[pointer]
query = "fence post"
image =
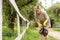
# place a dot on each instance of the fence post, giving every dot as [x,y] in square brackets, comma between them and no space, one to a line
[0,19]
[18,24]
[19,15]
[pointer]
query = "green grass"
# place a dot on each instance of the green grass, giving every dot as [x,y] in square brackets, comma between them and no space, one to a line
[8,34]
[33,34]
[55,29]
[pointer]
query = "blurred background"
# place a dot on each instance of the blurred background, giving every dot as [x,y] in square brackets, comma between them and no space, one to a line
[26,7]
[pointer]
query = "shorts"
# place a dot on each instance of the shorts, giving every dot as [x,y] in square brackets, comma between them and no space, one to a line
[43,31]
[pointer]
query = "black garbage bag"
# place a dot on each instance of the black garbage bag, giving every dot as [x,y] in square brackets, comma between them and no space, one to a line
[44,31]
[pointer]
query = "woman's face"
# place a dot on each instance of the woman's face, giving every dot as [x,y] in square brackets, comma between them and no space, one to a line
[38,10]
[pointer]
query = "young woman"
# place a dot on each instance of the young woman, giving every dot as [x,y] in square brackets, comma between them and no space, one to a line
[42,20]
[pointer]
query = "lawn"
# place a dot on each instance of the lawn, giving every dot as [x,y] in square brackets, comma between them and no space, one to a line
[55,29]
[33,34]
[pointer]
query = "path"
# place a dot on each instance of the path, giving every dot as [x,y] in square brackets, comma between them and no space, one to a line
[54,34]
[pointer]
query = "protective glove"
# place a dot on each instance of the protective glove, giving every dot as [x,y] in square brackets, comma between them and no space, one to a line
[39,24]
[45,22]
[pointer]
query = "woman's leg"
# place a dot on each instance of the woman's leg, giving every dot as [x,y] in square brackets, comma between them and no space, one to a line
[46,37]
[41,37]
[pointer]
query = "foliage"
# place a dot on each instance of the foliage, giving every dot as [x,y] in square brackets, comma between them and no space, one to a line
[8,34]
[27,9]
[33,23]
[9,14]
[8,38]
[54,13]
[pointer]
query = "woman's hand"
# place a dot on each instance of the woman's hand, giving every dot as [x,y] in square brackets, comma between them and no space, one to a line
[45,23]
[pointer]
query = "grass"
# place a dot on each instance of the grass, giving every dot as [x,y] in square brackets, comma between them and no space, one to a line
[55,29]
[8,34]
[33,34]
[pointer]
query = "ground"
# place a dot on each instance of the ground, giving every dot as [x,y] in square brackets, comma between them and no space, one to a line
[33,34]
[55,34]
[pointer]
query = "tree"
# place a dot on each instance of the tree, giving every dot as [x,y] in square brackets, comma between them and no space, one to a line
[9,14]
[54,12]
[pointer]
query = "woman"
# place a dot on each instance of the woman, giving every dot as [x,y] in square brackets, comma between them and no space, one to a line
[42,20]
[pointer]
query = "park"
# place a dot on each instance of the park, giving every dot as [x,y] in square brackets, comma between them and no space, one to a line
[18,21]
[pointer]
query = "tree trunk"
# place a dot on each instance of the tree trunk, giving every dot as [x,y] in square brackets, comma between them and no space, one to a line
[12,19]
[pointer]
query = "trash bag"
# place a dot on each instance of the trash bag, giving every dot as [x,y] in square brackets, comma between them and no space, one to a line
[44,31]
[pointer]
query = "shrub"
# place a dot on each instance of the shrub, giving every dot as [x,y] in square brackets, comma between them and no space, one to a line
[33,24]
[7,32]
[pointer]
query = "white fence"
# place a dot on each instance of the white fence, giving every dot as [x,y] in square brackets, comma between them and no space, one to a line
[20,35]
[18,23]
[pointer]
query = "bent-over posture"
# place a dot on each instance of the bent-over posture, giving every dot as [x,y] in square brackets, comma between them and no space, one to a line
[42,20]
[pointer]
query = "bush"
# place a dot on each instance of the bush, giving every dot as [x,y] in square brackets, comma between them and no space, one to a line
[33,24]
[7,32]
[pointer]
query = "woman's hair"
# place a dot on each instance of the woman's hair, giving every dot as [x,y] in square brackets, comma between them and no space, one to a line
[37,7]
